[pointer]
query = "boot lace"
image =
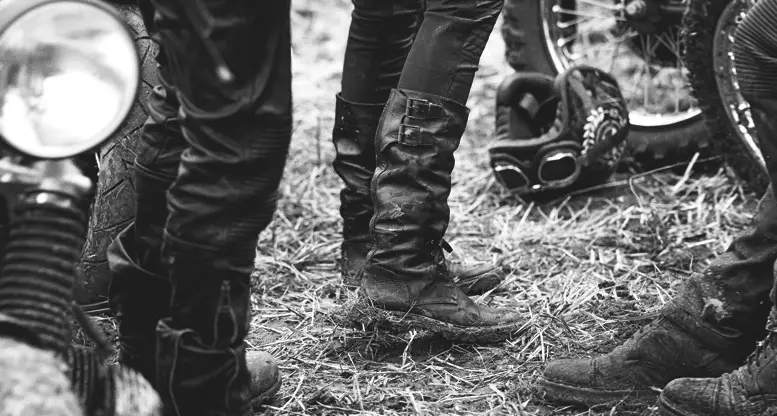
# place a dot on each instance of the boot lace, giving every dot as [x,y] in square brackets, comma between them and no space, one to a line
[762,351]
[439,255]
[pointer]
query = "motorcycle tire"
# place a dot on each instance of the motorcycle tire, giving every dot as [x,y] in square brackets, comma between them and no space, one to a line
[114,202]
[649,146]
[708,34]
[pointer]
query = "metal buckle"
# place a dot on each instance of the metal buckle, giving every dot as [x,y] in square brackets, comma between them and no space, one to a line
[410,135]
[418,108]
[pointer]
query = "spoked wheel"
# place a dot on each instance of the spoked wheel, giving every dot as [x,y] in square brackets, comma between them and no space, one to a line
[638,43]
[709,39]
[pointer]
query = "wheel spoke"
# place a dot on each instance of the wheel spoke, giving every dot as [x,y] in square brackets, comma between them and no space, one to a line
[614,7]
[561,10]
[646,55]
[589,50]
[647,66]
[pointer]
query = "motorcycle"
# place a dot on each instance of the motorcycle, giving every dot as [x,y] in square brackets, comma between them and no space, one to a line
[671,58]
[69,75]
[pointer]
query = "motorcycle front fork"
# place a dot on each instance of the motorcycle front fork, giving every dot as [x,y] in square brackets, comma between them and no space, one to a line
[44,238]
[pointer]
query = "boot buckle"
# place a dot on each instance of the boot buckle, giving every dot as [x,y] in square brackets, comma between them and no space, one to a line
[413,136]
[418,108]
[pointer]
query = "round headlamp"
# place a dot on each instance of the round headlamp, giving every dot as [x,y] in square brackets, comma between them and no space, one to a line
[69,74]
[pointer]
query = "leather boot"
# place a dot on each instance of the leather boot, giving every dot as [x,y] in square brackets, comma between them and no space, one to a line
[752,388]
[202,364]
[749,390]
[354,139]
[140,296]
[706,331]
[405,283]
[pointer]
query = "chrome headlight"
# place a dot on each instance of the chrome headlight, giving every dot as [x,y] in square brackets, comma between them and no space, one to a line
[69,74]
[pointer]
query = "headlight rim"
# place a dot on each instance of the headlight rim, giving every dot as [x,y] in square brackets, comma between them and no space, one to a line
[12,11]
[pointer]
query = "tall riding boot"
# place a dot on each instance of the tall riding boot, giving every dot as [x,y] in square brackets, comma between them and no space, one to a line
[354,140]
[202,365]
[707,330]
[405,271]
[752,388]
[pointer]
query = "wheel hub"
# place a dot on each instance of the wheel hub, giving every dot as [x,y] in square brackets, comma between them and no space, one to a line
[651,16]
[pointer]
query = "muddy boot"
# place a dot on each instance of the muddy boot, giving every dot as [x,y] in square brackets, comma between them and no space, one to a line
[405,283]
[354,140]
[749,390]
[706,330]
[202,365]
[752,388]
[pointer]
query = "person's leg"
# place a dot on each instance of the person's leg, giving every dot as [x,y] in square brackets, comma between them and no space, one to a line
[419,130]
[752,388]
[140,291]
[379,41]
[221,195]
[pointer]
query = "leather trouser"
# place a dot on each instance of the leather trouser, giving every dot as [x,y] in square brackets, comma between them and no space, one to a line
[206,179]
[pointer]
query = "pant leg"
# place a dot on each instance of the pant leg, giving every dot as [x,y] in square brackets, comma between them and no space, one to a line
[755,53]
[379,40]
[224,193]
[441,67]
[447,49]
[139,292]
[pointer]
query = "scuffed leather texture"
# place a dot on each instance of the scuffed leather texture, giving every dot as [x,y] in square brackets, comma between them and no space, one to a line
[651,358]
[198,378]
[406,269]
[440,300]
[416,138]
[749,390]
[354,140]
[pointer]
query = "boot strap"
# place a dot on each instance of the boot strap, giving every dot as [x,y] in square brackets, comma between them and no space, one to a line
[421,109]
[418,109]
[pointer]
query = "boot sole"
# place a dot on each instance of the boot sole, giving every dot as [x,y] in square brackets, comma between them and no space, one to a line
[471,286]
[267,395]
[668,409]
[569,394]
[357,314]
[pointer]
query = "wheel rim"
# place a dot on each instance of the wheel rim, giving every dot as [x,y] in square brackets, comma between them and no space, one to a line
[736,108]
[597,33]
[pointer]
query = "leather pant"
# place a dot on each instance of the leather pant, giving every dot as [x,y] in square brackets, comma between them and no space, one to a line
[206,178]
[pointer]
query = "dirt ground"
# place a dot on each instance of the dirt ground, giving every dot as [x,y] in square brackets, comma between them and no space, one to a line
[586,271]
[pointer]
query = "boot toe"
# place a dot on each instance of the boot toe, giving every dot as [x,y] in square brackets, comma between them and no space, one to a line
[690,397]
[590,382]
[571,372]
[477,280]
[265,376]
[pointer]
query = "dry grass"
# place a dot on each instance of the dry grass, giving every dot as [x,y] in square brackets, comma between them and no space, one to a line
[587,271]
